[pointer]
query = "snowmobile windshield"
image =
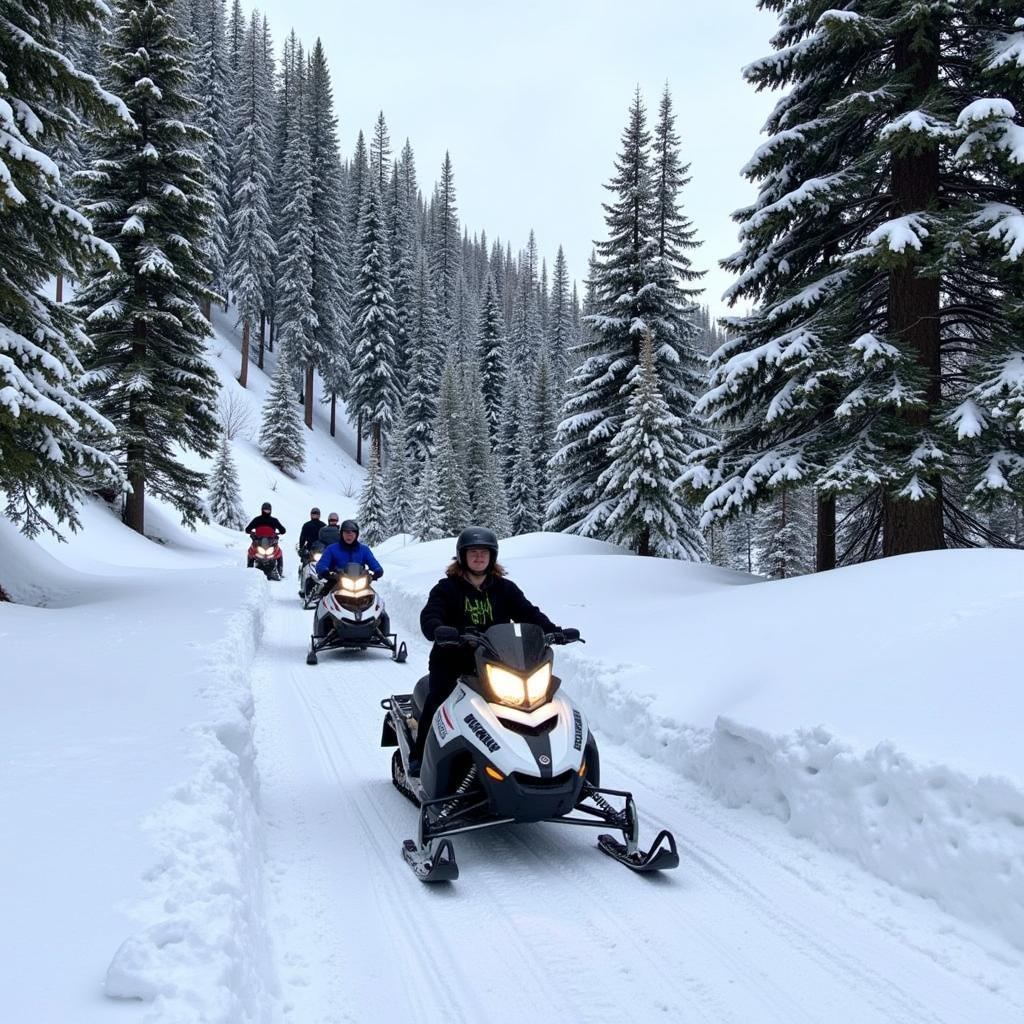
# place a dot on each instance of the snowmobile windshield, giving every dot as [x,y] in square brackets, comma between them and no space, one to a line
[514,666]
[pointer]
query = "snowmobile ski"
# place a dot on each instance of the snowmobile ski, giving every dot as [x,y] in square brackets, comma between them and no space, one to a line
[435,863]
[662,856]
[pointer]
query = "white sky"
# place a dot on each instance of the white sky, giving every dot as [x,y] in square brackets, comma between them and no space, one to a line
[531,99]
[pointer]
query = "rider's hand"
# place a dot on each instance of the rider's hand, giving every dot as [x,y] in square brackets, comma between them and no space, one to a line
[446,636]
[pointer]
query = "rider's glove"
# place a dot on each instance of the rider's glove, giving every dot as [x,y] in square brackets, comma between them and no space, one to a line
[446,636]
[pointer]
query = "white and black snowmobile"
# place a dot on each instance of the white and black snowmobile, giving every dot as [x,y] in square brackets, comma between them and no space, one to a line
[507,747]
[350,615]
[309,581]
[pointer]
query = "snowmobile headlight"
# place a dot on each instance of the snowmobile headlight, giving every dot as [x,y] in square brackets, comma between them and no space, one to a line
[353,583]
[507,687]
[537,685]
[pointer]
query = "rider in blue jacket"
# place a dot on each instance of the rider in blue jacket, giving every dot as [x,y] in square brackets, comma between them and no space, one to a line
[346,551]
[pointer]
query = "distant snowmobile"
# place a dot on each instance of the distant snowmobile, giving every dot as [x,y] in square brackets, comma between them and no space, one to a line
[309,582]
[508,747]
[351,615]
[265,552]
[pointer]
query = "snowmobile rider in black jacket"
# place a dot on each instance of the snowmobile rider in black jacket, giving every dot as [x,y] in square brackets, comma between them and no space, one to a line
[475,593]
[310,532]
[266,519]
[331,533]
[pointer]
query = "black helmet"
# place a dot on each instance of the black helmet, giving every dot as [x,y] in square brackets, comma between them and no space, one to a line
[314,511]
[476,537]
[265,507]
[350,524]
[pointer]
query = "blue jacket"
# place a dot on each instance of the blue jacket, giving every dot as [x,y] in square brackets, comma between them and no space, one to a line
[337,556]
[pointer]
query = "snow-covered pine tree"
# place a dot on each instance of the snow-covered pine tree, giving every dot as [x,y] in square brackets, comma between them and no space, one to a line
[429,510]
[223,500]
[148,196]
[380,155]
[560,333]
[236,37]
[883,261]
[282,438]
[424,378]
[446,253]
[399,494]
[402,237]
[542,412]
[374,514]
[293,303]
[253,252]
[373,396]
[50,437]
[647,457]
[327,245]
[491,344]
[523,497]
[214,87]
[452,493]
[627,298]
[785,535]
[514,423]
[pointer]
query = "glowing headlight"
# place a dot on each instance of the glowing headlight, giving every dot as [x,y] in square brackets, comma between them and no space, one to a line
[348,583]
[515,691]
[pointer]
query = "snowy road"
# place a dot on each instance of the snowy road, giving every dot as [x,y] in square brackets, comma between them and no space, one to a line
[754,926]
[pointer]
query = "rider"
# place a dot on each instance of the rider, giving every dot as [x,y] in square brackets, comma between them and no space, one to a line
[346,551]
[310,531]
[475,593]
[266,519]
[331,533]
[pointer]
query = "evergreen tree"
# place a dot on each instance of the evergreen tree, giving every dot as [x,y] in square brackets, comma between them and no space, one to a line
[446,253]
[424,378]
[373,395]
[429,510]
[380,155]
[50,437]
[373,511]
[543,417]
[452,493]
[253,251]
[491,346]
[524,499]
[223,502]
[884,267]
[399,496]
[514,423]
[560,334]
[785,536]
[281,434]
[149,198]
[647,456]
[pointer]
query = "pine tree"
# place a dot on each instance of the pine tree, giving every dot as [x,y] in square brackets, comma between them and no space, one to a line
[560,334]
[491,346]
[647,457]
[524,499]
[424,378]
[253,251]
[429,510]
[373,511]
[223,502]
[373,395]
[785,536]
[149,198]
[452,493]
[883,266]
[50,437]
[543,417]
[514,423]
[380,155]
[398,483]
[281,434]
[446,256]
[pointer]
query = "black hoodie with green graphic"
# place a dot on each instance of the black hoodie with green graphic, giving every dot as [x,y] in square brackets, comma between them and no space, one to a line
[454,601]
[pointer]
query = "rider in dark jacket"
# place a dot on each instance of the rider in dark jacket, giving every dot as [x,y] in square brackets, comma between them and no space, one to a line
[331,533]
[474,593]
[266,519]
[310,532]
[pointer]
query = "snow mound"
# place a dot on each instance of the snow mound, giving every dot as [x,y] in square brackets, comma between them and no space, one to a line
[28,575]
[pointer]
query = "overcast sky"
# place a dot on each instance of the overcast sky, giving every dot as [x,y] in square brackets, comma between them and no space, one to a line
[531,98]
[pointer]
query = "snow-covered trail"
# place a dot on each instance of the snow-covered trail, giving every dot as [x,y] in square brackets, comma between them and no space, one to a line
[754,925]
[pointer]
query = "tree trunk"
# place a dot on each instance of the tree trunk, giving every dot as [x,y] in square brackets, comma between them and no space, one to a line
[271,333]
[60,287]
[207,310]
[135,501]
[334,406]
[359,440]
[243,377]
[825,553]
[263,333]
[914,301]
[643,545]
[309,398]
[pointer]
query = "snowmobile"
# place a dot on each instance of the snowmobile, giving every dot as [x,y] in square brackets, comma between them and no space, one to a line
[265,552]
[309,582]
[350,614]
[508,747]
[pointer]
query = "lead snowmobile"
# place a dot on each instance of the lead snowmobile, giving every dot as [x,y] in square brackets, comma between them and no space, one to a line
[508,747]
[350,615]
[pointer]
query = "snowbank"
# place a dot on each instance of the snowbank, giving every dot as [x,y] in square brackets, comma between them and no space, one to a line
[872,710]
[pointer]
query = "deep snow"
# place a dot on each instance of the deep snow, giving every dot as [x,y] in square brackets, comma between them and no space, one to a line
[871,713]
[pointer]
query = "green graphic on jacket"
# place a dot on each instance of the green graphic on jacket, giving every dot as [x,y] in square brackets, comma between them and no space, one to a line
[479,611]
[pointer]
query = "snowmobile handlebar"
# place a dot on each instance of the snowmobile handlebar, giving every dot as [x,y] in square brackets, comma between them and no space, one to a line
[449,636]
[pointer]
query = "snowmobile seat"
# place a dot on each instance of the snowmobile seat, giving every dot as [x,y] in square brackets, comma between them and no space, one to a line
[419,696]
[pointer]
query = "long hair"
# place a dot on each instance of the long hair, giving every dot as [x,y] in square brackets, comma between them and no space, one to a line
[455,569]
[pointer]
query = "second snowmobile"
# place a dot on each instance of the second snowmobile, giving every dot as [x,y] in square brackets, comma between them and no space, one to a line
[350,615]
[309,581]
[508,746]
